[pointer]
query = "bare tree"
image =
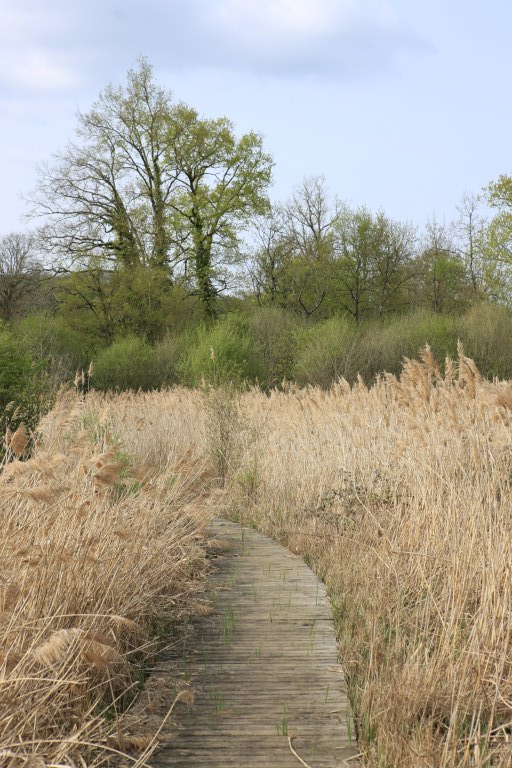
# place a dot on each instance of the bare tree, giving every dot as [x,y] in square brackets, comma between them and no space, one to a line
[309,217]
[106,196]
[441,283]
[20,274]
[469,229]
[394,253]
[269,261]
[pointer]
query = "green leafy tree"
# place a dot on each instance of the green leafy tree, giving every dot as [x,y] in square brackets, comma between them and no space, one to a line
[392,269]
[372,261]
[85,301]
[106,195]
[150,185]
[498,241]
[143,301]
[357,245]
[309,217]
[320,258]
[221,185]
[105,205]
[499,197]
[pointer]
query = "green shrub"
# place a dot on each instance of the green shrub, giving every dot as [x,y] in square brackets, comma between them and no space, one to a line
[22,383]
[15,369]
[220,353]
[385,345]
[327,351]
[167,354]
[127,363]
[338,347]
[274,333]
[51,341]
[486,333]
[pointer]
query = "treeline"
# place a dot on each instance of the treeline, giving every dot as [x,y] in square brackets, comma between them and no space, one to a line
[267,346]
[161,260]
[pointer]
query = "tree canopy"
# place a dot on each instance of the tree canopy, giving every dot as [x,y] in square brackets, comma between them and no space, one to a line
[148,183]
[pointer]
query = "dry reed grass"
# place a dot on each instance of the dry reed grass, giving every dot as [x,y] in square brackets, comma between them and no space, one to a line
[101,550]
[400,497]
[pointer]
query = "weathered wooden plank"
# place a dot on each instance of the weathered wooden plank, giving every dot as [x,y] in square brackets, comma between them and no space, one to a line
[262,667]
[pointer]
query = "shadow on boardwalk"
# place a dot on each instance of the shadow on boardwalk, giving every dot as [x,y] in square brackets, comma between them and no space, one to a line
[263,668]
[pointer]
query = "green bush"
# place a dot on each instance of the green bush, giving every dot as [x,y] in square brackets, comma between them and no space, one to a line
[22,382]
[167,354]
[338,347]
[386,345]
[328,351]
[15,369]
[486,333]
[127,363]
[274,333]
[51,341]
[224,352]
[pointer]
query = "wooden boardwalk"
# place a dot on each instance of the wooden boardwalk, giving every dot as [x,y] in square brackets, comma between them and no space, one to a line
[263,668]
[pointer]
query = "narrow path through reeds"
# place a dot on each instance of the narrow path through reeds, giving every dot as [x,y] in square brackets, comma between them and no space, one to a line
[266,689]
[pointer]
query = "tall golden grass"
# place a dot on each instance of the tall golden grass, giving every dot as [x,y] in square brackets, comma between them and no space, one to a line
[102,514]
[400,497]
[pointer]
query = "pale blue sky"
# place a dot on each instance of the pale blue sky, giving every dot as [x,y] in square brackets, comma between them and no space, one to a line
[403,105]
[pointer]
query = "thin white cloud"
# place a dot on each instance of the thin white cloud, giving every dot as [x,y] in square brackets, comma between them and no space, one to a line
[34,56]
[36,70]
[280,20]
[292,37]
[57,46]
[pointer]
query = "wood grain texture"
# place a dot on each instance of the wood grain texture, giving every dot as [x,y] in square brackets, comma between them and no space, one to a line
[263,666]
